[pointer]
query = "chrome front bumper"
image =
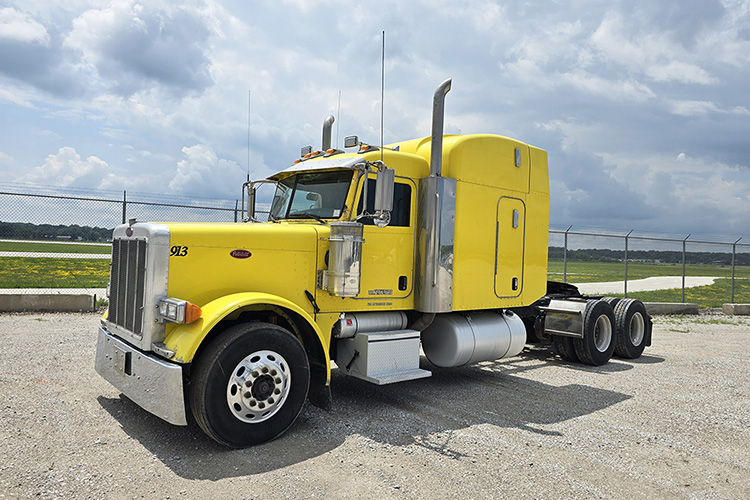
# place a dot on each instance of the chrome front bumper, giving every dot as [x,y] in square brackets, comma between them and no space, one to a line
[152,383]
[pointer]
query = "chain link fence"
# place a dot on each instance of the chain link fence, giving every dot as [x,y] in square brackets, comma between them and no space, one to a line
[60,238]
[652,267]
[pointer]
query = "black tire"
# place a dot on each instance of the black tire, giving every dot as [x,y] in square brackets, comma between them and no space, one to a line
[564,347]
[598,342]
[633,328]
[532,333]
[249,385]
[611,301]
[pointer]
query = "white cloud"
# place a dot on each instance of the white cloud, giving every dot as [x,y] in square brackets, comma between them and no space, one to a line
[627,90]
[203,173]
[16,98]
[681,72]
[21,27]
[693,108]
[131,47]
[67,168]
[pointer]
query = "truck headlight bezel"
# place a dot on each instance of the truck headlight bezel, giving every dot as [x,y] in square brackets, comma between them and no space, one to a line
[173,310]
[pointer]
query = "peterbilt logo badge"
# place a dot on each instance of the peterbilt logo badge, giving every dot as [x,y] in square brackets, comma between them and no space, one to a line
[240,254]
[129,231]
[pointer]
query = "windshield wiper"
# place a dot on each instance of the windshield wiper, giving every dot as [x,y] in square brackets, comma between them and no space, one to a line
[301,215]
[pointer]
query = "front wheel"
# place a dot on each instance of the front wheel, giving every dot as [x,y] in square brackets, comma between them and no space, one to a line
[249,385]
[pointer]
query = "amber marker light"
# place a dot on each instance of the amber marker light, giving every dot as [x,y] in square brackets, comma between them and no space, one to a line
[192,312]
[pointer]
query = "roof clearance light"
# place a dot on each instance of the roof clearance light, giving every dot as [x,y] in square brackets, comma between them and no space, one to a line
[178,311]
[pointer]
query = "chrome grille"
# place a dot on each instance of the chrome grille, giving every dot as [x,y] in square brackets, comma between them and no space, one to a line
[127,283]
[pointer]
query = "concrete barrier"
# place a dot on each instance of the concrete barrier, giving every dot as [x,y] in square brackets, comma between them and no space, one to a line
[58,302]
[736,309]
[670,308]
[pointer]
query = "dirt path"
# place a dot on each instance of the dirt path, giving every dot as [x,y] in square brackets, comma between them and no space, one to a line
[645,284]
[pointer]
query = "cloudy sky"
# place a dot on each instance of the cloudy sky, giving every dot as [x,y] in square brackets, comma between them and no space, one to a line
[642,105]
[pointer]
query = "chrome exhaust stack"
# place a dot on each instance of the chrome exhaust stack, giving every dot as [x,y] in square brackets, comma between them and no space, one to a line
[438,117]
[327,126]
[435,223]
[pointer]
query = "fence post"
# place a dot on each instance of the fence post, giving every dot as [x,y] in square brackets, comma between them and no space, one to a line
[124,205]
[235,210]
[683,267]
[626,263]
[734,252]
[565,256]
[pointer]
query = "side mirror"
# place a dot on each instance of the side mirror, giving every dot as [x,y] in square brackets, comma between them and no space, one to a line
[350,141]
[384,185]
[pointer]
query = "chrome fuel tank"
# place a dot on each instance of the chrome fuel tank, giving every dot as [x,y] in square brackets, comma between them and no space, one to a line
[460,339]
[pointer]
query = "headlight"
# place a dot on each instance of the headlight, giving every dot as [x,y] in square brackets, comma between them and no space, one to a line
[178,311]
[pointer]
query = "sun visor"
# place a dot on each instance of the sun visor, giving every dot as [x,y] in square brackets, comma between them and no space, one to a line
[351,162]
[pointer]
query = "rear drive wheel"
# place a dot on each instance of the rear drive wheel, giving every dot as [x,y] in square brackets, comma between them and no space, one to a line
[564,347]
[249,385]
[632,328]
[611,301]
[598,342]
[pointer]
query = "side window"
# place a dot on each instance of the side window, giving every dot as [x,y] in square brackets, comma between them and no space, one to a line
[401,213]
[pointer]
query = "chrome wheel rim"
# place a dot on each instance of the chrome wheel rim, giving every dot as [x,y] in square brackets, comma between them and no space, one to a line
[602,333]
[637,329]
[258,386]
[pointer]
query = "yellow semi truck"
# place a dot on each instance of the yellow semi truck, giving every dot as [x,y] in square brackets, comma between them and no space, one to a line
[366,260]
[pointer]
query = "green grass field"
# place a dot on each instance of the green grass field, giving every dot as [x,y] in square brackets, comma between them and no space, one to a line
[592,272]
[45,272]
[705,296]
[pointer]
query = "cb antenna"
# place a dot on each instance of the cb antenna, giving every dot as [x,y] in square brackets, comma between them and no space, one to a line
[248,135]
[338,120]
[382,93]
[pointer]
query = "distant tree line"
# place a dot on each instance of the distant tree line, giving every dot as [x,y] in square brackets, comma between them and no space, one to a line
[27,231]
[656,256]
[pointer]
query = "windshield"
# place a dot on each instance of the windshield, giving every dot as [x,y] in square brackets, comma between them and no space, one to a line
[316,195]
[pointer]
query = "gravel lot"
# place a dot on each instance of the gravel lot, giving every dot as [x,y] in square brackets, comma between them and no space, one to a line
[673,424]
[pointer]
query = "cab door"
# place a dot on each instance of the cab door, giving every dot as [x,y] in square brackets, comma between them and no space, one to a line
[388,253]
